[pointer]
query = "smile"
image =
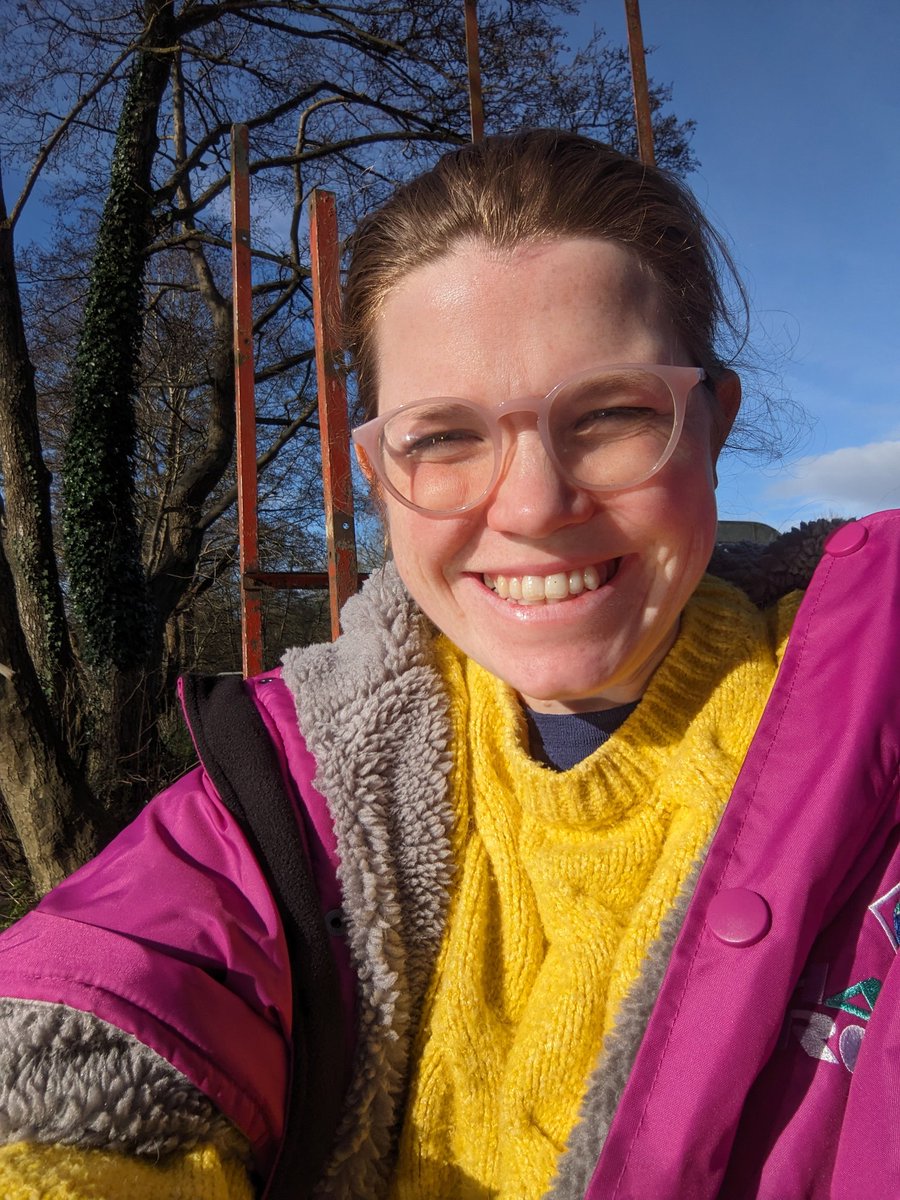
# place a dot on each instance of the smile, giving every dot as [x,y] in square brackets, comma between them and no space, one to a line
[551,589]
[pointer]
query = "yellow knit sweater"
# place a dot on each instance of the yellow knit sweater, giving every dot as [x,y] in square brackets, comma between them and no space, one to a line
[563,881]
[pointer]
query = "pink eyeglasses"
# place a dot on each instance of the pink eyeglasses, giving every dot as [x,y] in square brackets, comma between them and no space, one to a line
[605,429]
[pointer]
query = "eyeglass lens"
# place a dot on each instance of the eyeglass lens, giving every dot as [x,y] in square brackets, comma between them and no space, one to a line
[606,431]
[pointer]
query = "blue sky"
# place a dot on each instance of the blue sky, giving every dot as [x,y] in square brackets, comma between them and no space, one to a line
[797,106]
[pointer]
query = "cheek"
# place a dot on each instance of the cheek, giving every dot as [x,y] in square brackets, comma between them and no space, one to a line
[667,566]
[678,522]
[693,459]
[396,523]
[689,475]
[420,546]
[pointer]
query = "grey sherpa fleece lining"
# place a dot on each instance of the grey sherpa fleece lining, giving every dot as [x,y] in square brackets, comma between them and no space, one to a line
[68,1077]
[373,711]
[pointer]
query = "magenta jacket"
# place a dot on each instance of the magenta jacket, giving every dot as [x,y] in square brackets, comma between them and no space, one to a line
[758,1055]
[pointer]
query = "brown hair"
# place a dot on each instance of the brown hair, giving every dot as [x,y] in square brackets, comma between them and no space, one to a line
[537,185]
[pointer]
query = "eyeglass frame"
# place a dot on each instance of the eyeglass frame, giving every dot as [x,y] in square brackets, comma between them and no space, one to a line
[680,381]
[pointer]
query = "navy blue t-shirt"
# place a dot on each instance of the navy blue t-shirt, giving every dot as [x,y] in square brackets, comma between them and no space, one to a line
[561,740]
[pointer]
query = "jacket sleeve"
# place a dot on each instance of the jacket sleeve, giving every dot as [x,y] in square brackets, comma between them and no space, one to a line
[67,1077]
[148,996]
[28,1171]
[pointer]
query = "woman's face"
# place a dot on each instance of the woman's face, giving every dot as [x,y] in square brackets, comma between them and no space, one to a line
[488,326]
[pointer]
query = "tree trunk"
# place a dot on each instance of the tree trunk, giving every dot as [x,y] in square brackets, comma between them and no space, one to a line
[37,781]
[29,533]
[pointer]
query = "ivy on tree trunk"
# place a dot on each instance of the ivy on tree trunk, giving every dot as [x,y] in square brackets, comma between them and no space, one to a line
[100,531]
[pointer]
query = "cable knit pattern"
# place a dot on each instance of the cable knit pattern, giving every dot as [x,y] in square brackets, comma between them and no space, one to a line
[564,883]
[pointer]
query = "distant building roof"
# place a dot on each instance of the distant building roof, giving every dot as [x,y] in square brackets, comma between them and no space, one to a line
[745,531]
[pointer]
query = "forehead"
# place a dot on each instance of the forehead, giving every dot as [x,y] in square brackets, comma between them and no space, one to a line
[516,321]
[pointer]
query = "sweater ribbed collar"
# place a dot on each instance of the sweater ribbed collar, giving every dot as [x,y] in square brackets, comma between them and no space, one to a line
[710,689]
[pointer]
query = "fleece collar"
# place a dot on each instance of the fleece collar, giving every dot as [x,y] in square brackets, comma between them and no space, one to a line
[373,712]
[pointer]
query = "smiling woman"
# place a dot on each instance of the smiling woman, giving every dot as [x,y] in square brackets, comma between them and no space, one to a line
[588,891]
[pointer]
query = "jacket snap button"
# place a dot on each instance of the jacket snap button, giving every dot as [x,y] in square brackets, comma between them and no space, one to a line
[335,923]
[846,540]
[738,917]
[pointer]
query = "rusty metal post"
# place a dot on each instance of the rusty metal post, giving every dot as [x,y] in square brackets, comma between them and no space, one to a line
[639,83]
[476,104]
[245,403]
[333,424]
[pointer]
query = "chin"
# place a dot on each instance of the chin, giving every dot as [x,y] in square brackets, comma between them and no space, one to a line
[568,694]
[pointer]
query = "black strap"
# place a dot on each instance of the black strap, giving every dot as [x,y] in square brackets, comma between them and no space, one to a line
[238,754]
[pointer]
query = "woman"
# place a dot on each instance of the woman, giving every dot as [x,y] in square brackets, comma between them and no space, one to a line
[606,853]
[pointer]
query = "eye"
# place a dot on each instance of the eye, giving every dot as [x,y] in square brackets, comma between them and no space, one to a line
[436,433]
[620,415]
[444,444]
[612,408]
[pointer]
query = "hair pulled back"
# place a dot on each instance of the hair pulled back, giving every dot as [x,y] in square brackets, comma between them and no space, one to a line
[540,185]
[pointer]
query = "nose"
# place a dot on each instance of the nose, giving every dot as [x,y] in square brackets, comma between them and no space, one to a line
[531,498]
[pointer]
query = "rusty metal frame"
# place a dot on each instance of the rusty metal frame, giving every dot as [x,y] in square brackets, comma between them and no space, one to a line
[476,102]
[333,424]
[342,578]
[245,404]
[641,92]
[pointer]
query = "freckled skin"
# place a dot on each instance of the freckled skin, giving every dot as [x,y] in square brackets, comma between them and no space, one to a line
[487,326]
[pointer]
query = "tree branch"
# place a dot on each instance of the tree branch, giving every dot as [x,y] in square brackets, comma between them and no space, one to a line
[47,149]
[230,496]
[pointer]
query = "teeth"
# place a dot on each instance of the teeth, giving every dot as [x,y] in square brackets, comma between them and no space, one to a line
[540,589]
[532,589]
[557,587]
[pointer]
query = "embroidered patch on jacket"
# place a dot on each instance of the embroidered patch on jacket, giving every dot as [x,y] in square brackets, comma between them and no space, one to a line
[817,1032]
[832,1039]
[858,1000]
[886,911]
